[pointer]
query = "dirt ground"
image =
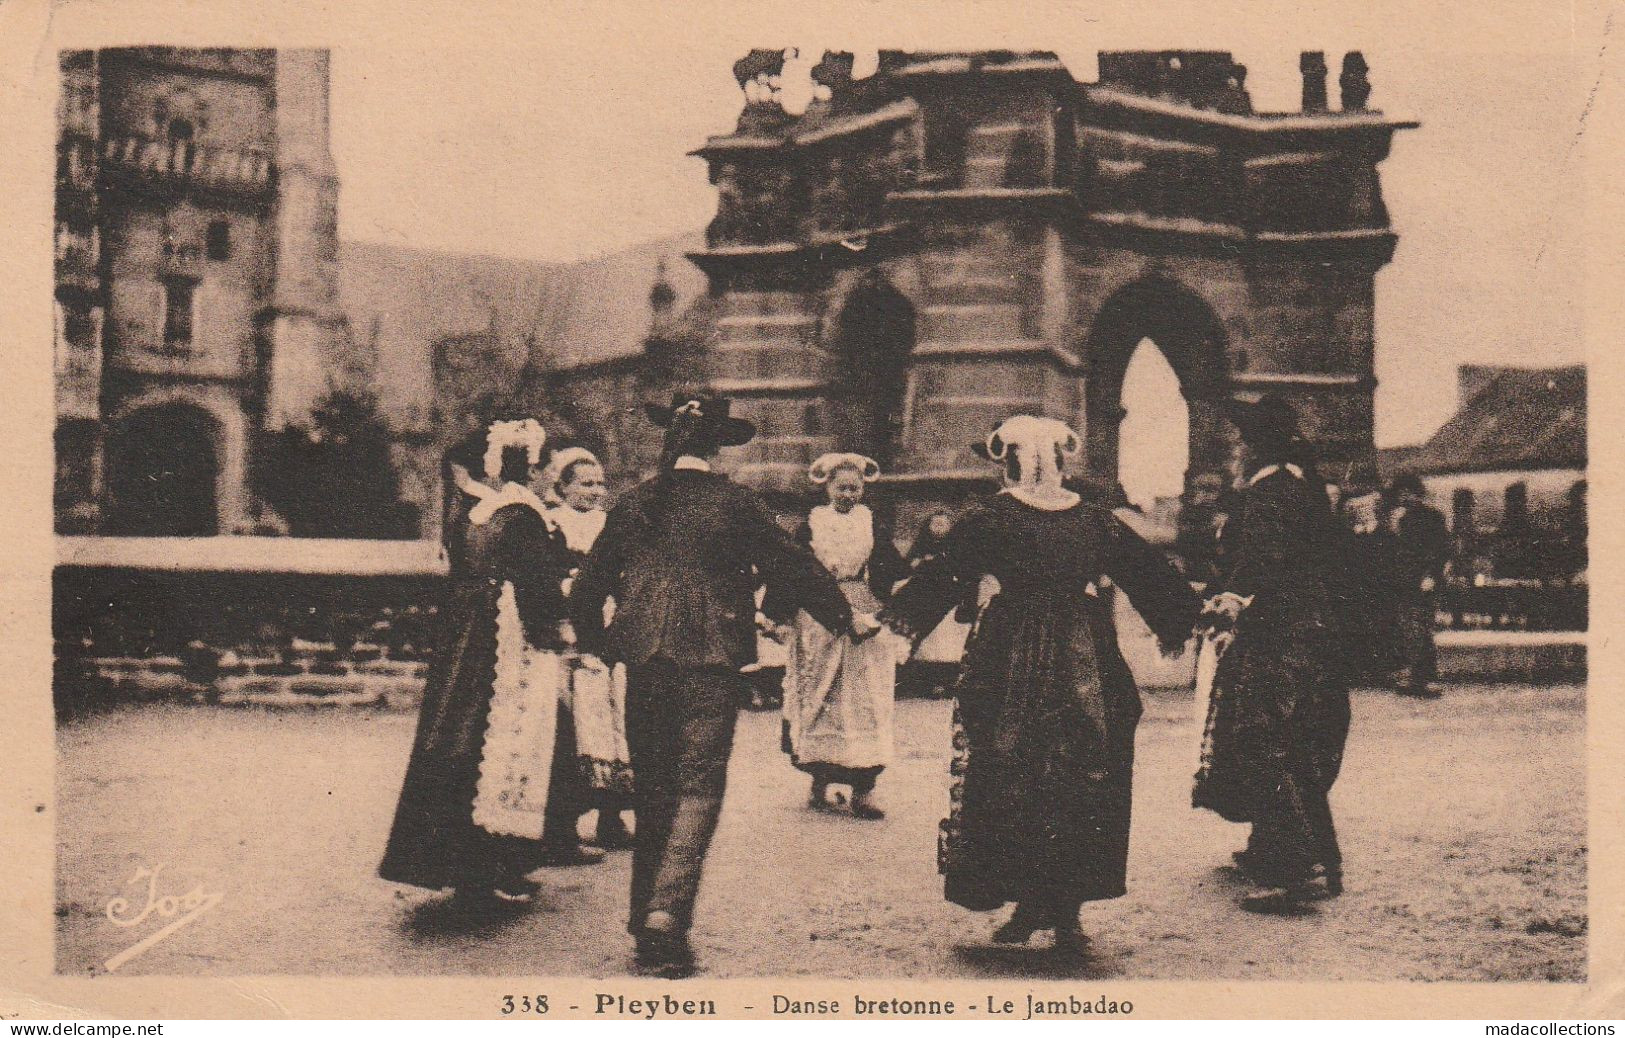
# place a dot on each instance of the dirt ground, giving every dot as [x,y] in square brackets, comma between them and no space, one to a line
[1463,824]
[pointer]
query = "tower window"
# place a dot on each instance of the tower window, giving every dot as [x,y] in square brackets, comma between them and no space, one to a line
[180,129]
[219,240]
[179,296]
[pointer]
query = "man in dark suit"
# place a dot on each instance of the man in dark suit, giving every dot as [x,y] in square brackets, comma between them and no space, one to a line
[1421,540]
[1280,715]
[683,554]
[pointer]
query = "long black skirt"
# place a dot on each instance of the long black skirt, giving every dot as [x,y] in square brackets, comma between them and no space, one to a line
[433,841]
[1276,729]
[1043,761]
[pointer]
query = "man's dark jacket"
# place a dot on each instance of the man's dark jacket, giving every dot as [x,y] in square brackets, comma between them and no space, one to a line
[683,555]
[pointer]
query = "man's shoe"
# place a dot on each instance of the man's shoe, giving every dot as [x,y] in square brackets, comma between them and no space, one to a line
[1281,900]
[574,854]
[516,888]
[663,949]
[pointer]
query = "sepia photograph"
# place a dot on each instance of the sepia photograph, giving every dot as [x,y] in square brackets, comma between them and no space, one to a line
[695,496]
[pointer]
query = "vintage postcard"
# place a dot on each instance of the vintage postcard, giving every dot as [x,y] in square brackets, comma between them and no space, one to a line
[824,511]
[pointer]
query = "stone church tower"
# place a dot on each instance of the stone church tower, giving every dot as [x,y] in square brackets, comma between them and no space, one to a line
[197,245]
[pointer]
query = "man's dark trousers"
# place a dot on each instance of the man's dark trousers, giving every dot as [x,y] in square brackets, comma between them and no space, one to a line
[680,730]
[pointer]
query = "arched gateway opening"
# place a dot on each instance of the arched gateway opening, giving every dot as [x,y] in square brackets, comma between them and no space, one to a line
[1154,450]
[874,337]
[1128,423]
[162,471]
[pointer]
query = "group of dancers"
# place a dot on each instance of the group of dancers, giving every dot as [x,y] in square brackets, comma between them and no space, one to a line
[592,660]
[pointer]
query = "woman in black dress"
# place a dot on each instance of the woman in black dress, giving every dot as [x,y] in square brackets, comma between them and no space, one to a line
[1047,707]
[490,791]
[1279,714]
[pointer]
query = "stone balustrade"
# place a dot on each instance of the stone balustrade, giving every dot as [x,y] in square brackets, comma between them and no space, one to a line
[189,161]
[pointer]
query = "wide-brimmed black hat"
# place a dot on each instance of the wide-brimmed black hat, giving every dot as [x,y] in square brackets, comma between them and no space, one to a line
[1269,424]
[716,425]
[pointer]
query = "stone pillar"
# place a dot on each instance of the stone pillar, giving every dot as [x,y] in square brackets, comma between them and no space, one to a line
[1103,416]
[305,323]
[1354,87]
[1312,64]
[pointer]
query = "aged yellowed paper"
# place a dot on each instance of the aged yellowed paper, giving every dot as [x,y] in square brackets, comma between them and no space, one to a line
[1092,503]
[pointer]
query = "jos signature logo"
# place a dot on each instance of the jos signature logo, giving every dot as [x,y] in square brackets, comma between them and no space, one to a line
[178,910]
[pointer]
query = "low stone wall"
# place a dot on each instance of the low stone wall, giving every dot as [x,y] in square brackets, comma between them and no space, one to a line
[261,621]
[286,622]
[1533,657]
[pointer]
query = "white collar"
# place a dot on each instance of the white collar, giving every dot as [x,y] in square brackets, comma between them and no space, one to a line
[1051,502]
[581,529]
[1269,470]
[690,463]
[510,494]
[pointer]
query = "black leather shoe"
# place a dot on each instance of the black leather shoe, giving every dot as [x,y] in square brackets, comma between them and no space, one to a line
[663,949]
[516,889]
[864,806]
[1016,931]
[1023,923]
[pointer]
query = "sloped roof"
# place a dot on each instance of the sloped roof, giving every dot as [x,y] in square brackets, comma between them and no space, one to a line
[401,301]
[1519,418]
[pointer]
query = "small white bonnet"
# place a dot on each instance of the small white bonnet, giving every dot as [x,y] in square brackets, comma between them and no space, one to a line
[822,469]
[1025,432]
[1035,442]
[525,432]
[563,459]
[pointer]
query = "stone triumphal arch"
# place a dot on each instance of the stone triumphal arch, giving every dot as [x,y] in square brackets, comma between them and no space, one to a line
[962,235]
